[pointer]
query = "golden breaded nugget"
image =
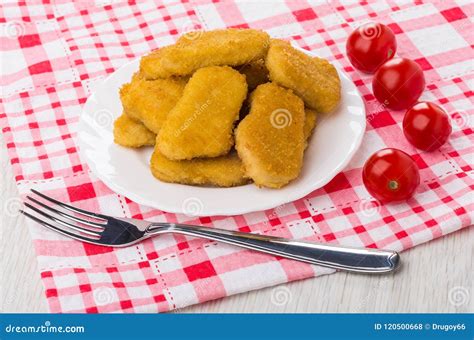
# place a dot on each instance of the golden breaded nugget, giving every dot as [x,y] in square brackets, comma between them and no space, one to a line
[311,117]
[315,80]
[132,134]
[223,171]
[270,139]
[255,72]
[214,48]
[309,122]
[201,123]
[150,101]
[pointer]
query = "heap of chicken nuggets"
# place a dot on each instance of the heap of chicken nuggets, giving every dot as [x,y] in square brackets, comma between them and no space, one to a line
[226,108]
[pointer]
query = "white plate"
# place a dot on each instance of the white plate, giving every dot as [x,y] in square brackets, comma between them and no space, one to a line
[126,171]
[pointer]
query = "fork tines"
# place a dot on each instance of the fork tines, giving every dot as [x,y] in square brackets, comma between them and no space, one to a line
[63,218]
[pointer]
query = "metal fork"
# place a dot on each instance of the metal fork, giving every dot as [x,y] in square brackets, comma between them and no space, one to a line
[120,232]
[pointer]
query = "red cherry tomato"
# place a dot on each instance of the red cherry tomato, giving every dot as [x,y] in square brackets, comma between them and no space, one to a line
[398,83]
[426,126]
[370,45]
[390,175]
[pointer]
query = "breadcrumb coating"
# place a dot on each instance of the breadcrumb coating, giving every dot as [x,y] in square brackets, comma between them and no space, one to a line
[213,48]
[150,101]
[311,117]
[130,133]
[315,80]
[223,171]
[201,123]
[270,139]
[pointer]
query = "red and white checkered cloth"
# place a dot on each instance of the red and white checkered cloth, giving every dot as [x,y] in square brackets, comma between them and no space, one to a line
[53,52]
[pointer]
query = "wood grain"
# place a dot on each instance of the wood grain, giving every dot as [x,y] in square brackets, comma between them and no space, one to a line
[429,280]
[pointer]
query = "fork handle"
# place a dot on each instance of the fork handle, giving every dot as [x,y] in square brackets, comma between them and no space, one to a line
[327,255]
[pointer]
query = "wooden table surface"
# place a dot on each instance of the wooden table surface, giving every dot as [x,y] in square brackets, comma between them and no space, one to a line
[434,277]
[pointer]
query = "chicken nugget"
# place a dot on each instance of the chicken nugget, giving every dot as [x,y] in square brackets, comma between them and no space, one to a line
[150,101]
[255,72]
[214,48]
[311,117]
[223,171]
[270,139]
[130,133]
[201,123]
[315,80]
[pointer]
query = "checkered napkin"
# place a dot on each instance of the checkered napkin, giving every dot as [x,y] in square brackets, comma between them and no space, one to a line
[55,52]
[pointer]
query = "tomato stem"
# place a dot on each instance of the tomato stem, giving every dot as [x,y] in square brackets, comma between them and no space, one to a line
[393,185]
